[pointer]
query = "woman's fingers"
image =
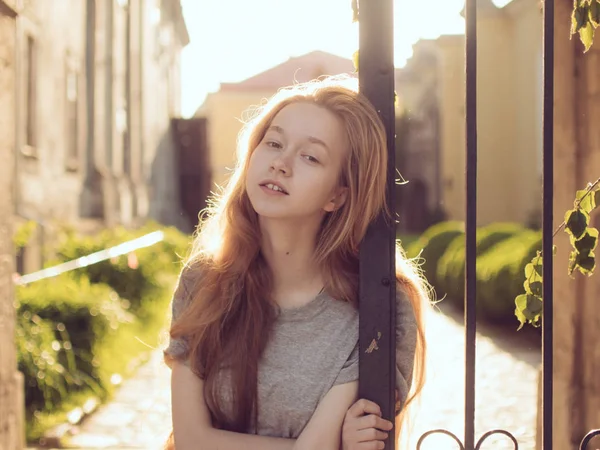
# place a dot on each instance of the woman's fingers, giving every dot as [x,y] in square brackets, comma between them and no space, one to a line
[373,421]
[370,434]
[362,407]
[364,428]
[373,445]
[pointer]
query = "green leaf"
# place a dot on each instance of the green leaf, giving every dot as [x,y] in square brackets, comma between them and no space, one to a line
[578,18]
[535,269]
[589,200]
[576,222]
[586,243]
[572,262]
[528,307]
[520,317]
[586,34]
[594,13]
[586,263]
[596,195]
[533,288]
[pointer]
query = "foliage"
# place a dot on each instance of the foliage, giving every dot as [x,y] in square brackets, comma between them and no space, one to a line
[498,274]
[133,276]
[60,320]
[451,267]
[584,20]
[23,234]
[583,238]
[432,244]
[77,337]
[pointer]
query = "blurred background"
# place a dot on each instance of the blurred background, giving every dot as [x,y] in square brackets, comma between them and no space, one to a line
[118,118]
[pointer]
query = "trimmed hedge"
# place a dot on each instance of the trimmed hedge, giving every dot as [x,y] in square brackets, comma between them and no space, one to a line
[501,273]
[450,271]
[503,251]
[432,244]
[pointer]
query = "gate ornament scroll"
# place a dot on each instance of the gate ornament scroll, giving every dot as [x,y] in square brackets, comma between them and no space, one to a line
[583,446]
[460,444]
[588,439]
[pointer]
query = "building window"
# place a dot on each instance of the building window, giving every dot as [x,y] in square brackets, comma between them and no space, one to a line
[30,103]
[72,117]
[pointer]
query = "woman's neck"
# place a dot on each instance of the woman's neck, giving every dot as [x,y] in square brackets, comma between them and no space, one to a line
[289,250]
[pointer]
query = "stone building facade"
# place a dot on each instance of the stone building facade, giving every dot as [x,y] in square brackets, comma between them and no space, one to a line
[88,89]
[10,390]
[98,82]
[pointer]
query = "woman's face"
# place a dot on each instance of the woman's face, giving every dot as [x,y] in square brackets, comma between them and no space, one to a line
[302,154]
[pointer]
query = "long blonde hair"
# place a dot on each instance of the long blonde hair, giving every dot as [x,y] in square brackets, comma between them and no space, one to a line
[231,310]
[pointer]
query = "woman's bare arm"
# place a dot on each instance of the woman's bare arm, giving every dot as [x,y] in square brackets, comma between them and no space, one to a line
[192,425]
[324,430]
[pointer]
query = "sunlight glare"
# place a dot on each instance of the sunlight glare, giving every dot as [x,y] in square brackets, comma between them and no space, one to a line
[232,40]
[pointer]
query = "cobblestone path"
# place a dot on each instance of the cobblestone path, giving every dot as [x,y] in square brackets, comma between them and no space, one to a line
[139,416]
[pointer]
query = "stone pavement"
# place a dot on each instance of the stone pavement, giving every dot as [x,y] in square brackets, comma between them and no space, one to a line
[139,416]
[505,392]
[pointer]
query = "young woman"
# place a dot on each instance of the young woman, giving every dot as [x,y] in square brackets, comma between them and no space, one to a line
[264,338]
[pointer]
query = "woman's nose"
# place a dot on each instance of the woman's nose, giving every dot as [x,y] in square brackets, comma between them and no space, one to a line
[281,164]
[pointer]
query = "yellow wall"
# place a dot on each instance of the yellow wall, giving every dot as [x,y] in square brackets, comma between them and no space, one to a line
[508,115]
[224,112]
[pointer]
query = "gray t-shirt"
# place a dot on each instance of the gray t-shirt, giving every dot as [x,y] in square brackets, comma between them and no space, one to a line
[311,349]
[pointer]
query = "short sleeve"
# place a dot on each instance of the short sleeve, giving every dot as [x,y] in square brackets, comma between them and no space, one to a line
[406,343]
[178,348]
[349,370]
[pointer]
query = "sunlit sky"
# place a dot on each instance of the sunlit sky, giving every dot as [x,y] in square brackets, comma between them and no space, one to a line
[232,40]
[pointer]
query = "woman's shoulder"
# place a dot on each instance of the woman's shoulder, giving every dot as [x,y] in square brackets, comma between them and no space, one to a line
[341,314]
[187,283]
[342,307]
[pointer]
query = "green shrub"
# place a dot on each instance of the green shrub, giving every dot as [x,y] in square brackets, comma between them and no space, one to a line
[134,276]
[81,332]
[500,274]
[61,321]
[432,244]
[450,271]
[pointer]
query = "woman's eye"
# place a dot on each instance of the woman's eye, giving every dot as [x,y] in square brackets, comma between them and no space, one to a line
[273,144]
[311,158]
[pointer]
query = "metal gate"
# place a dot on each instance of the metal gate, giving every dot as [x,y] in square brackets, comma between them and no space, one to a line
[377,315]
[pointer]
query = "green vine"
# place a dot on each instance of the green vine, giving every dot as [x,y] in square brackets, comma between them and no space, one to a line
[584,20]
[583,238]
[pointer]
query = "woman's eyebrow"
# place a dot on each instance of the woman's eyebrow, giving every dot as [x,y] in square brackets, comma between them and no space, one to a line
[277,128]
[311,139]
[318,141]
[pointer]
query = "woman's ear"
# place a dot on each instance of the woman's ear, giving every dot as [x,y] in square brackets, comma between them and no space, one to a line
[338,200]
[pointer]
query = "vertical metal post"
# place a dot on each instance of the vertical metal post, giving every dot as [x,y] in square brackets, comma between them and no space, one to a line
[471,219]
[547,225]
[377,293]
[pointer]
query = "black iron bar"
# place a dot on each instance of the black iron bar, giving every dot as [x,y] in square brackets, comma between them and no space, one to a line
[547,224]
[471,219]
[377,291]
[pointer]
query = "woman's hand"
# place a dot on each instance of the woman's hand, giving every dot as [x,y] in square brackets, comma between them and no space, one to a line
[364,428]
